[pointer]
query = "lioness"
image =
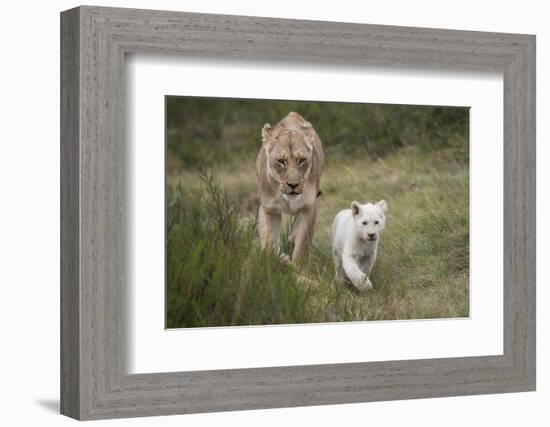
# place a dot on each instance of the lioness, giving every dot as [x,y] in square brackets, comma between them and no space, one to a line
[289,167]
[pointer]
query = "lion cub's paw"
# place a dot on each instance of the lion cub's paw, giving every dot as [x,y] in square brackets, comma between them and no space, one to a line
[366,284]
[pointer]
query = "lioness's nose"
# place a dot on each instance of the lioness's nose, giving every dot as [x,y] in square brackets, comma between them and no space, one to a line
[371,235]
[292,185]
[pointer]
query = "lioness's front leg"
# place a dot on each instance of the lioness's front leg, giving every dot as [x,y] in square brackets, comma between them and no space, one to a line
[304,234]
[270,229]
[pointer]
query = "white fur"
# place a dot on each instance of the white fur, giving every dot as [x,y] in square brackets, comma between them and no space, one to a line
[355,236]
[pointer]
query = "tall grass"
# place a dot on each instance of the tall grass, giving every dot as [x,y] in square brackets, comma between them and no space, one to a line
[217,276]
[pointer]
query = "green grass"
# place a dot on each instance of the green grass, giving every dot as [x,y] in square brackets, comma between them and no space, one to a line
[209,131]
[217,276]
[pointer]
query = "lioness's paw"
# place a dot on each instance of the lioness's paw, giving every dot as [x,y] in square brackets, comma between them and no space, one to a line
[285,259]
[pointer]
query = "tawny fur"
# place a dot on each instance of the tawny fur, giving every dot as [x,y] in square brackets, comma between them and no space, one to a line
[289,167]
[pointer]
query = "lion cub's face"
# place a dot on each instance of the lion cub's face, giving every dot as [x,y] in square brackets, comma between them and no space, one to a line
[369,219]
[289,160]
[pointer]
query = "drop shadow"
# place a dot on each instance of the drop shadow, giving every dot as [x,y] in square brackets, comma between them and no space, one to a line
[51,405]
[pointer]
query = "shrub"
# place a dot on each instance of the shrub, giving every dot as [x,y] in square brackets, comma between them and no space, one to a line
[216,274]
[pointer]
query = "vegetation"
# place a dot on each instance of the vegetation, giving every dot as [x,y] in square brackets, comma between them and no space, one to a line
[206,131]
[418,162]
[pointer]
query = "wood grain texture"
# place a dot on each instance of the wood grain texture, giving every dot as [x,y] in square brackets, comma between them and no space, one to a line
[94,381]
[70,220]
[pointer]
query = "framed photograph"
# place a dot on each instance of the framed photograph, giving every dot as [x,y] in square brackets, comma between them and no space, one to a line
[261,213]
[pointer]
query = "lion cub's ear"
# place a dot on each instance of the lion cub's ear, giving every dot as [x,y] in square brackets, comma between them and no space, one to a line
[309,133]
[355,208]
[382,205]
[266,132]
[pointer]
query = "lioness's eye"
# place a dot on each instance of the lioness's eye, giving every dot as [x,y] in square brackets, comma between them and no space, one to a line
[375,222]
[365,222]
[281,161]
[301,162]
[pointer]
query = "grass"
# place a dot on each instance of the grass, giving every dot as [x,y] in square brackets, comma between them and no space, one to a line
[208,131]
[216,275]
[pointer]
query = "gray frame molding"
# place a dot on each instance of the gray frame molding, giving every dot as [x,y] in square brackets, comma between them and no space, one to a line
[94,41]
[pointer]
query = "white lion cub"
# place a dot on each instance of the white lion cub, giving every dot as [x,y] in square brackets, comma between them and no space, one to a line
[355,234]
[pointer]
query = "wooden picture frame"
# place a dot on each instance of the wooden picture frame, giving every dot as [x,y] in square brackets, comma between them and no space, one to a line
[94,382]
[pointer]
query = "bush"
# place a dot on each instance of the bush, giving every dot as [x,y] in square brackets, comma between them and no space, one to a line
[216,275]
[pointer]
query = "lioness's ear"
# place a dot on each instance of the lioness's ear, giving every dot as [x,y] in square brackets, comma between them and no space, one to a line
[308,131]
[382,205]
[266,132]
[355,208]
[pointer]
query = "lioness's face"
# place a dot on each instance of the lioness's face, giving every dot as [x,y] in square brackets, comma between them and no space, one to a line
[289,158]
